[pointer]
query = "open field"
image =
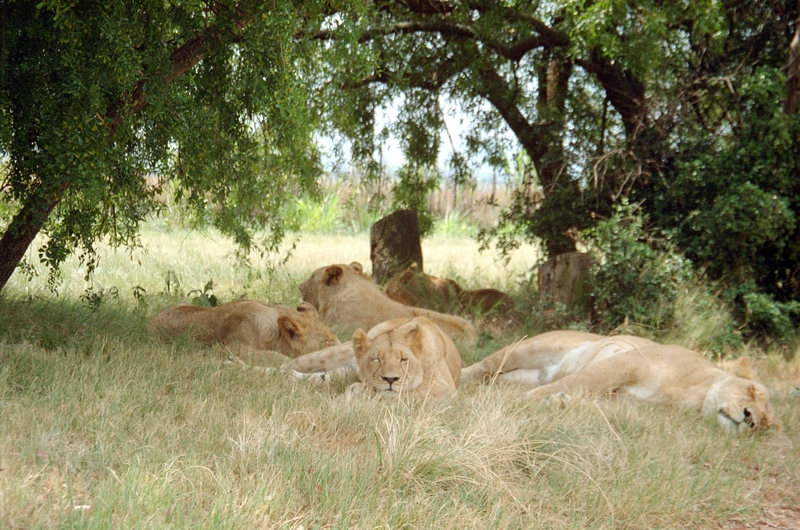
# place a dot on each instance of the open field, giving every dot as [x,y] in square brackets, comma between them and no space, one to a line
[104,427]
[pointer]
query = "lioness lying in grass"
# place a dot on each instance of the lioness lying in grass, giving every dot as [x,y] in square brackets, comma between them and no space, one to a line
[345,297]
[248,325]
[565,364]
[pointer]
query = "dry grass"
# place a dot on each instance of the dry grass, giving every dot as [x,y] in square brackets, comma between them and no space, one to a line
[102,427]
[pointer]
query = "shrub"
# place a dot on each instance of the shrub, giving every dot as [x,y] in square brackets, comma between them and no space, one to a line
[765,315]
[634,276]
[318,216]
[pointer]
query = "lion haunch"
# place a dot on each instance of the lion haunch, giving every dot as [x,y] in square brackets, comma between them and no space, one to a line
[562,364]
[345,297]
[248,324]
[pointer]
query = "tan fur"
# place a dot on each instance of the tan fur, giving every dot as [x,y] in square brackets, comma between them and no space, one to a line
[562,364]
[248,325]
[414,288]
[338,358]
[414,357]
[345,297]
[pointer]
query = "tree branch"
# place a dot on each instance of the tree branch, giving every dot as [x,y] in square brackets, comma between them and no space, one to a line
[182,59]
[495,89]
[432,77]
[793,71]
[625,92]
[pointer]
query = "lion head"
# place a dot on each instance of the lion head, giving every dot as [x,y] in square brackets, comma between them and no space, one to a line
[388,363]
[327,279]
[302,331]
[415,288]
[741,403]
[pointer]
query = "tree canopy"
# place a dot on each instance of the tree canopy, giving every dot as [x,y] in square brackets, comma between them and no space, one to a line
[688,107]
[94,96]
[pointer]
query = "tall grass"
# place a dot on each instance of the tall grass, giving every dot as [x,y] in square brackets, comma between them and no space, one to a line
[103,426]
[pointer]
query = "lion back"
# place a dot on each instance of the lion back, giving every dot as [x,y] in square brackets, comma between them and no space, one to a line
[345,297]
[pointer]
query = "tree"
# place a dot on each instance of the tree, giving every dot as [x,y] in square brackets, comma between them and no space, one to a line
[96,95]
[669,103]
[507,64]
[594,92]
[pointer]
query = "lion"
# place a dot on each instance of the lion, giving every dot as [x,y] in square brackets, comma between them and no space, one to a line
[563,364]
[345,297]
[415,288]
[248,325]
[414,357]
[337,359]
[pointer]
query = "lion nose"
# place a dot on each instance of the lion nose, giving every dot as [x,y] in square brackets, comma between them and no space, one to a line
[390,380]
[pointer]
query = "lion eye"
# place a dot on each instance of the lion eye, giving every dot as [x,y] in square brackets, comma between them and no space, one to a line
[403,360]
[746,413]
[376,360]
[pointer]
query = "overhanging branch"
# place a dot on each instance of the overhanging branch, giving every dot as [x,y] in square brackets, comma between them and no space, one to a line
[182,60]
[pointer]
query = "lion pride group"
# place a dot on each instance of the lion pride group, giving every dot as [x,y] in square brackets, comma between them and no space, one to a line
[401,349]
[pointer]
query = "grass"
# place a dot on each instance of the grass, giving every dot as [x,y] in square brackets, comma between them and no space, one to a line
[104,427]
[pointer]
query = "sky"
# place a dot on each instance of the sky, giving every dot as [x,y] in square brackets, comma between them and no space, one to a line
[456,125]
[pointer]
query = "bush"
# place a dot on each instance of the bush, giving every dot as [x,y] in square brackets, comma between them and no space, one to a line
[634,276]
[766,316]
[318,216]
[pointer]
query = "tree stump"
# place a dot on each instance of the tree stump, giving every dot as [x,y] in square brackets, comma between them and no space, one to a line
[565,279]
[394,245]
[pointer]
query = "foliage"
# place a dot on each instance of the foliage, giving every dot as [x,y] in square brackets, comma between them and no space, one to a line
[454,223]
[766,315]
[95,96]
[318,216]
[734,202]
[633,276]
[204,297]
[678,106]
[411,192]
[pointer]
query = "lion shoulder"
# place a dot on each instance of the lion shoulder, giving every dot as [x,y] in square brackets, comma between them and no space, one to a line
[416,288]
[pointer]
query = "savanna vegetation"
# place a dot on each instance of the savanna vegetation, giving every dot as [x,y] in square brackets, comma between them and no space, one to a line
[104,426]
[161,152]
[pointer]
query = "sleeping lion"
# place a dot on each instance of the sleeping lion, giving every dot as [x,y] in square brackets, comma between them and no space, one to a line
[345,297]
[415,288]
[563,364]
[413,357]
[248,325]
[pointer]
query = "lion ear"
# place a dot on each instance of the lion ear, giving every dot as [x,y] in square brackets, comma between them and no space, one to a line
[756,393]
[357,267]
[411,332]
[307,308]
[332,275]
[361,343]
[290,330]
[742,369]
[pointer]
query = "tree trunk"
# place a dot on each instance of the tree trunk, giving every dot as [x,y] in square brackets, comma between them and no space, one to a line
[793,72]
[395,245]
[564,279]
[23,230]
